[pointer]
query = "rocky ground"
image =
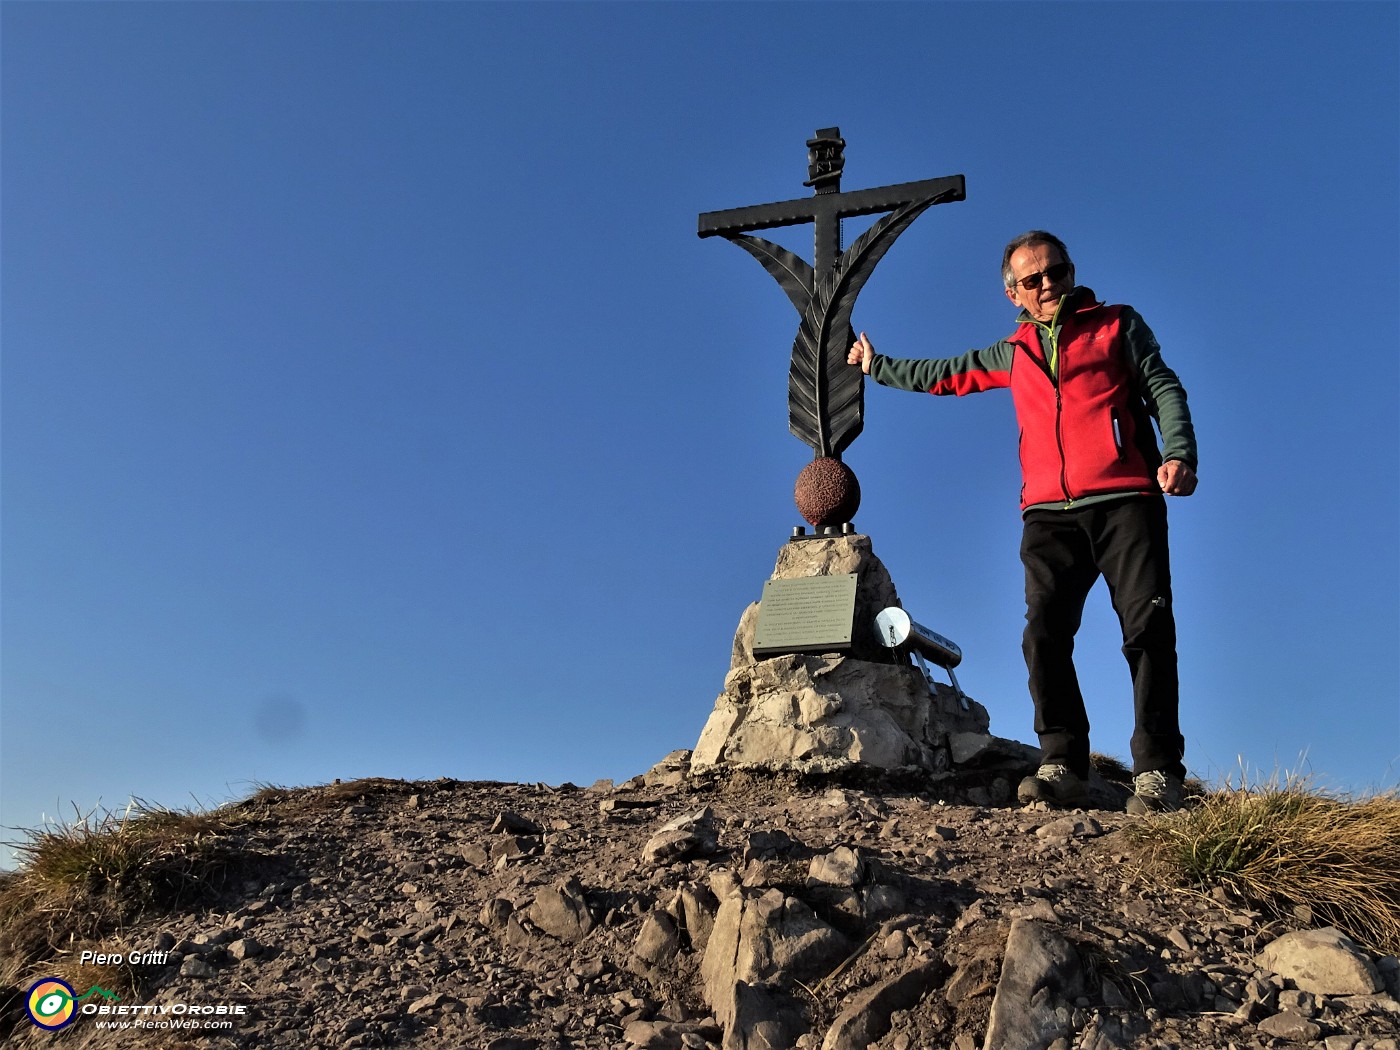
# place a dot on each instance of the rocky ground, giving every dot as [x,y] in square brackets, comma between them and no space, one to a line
[733,911]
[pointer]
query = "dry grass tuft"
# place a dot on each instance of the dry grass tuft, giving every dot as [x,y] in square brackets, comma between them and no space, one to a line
[80,882]
[1111,768]
[1289,850]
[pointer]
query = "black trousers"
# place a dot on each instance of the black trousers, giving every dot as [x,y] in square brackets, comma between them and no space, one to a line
[1064,552]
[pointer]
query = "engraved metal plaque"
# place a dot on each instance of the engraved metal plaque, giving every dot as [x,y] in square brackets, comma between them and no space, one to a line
[813,614]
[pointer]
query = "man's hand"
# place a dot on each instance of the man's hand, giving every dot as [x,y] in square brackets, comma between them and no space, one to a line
[1176,478]
[861,354]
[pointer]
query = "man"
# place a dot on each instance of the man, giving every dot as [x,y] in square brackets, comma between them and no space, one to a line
[1086,379]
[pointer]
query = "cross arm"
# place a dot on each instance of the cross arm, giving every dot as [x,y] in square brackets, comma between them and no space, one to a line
[887,198]
[757,217]
[807,209]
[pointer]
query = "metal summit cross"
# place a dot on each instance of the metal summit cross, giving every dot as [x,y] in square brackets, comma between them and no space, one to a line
[826,399]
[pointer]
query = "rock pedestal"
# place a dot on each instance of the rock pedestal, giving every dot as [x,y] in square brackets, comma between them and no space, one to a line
[832,712]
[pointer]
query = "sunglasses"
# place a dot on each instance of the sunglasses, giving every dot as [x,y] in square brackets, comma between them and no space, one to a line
[1056,274]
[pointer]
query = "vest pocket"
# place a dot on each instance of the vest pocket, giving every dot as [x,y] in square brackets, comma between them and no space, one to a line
[1117,428]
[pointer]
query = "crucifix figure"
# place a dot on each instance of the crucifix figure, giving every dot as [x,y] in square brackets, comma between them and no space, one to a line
[826,398]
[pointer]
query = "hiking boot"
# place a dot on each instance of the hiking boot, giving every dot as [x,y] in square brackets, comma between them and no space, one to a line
[1155,792]
[1055,784]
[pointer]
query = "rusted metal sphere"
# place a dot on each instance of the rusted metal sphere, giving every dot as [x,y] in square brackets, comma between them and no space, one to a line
[827,492]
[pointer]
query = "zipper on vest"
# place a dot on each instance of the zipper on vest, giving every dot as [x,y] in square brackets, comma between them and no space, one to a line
[1054,355]
[1060,442]
[1044,368]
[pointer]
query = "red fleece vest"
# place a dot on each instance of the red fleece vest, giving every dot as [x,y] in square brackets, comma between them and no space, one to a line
[1086,437]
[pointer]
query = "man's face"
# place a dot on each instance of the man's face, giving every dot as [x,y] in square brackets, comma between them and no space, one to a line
[1039,301]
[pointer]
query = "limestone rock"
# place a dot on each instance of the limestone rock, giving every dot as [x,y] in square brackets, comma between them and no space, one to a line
[818,714]
[826,713]
[694,909]
[1288,1025]
[670,772]
[561,911]
[1325,961]
[1107,1033]
[429,1003]
[843,866]
[1064,829]
[692,834]
[667,1035]
[666,847]
[657,943]
[759,1019]
[495,913]
[867,1018]
[1040,978]
[245,948]
[509,823]
[983,749]
[758,939]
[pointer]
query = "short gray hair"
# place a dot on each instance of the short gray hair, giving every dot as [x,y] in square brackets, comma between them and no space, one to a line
[1026,240]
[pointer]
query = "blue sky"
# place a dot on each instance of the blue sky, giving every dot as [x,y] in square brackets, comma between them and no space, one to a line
[371,407]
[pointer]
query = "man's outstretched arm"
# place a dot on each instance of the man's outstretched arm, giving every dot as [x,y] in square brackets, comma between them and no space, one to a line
[969,373]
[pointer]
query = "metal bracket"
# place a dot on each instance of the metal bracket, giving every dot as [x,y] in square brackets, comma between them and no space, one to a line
[799,532]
